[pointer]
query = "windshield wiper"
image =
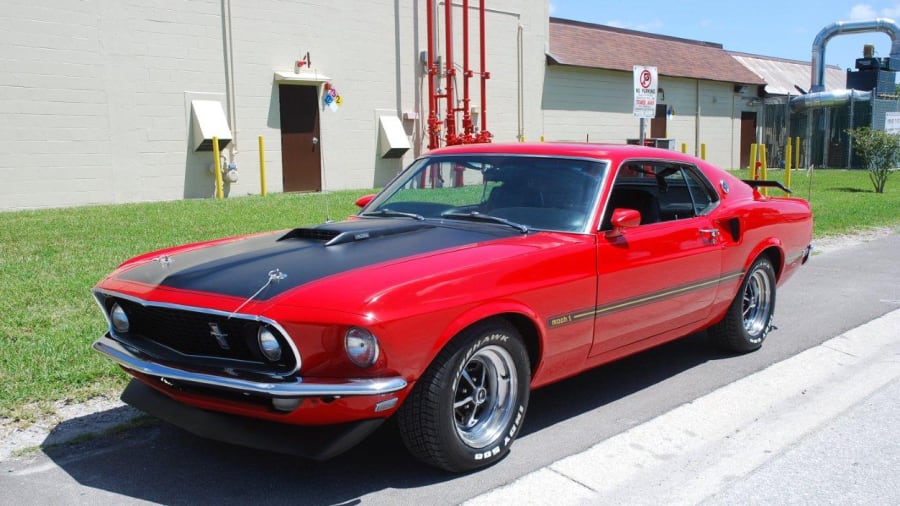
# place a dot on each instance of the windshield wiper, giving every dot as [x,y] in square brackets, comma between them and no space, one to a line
[475,215]
[390,213]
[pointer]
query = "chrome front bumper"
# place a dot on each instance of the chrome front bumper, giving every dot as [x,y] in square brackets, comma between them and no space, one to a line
[289,388]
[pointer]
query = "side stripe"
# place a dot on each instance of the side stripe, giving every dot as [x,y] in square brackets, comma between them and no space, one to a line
[582,314]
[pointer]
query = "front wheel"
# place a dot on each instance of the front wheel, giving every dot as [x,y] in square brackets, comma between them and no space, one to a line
[749,318]
[468,407]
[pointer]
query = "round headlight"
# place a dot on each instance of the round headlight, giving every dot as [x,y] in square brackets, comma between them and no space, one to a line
[269,345]
[361,346]
[119,319]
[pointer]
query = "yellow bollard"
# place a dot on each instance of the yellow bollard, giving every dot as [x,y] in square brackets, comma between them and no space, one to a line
[765,167]
[262,166]
[542,138]
[684,147]
[703,151]
[218,163]
[753,173]
[787,164]
[797,152]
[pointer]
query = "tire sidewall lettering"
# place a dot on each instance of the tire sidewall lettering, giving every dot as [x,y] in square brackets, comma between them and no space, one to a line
[508,439]
[498,449]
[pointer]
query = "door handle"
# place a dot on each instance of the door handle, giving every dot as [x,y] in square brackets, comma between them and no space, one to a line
[711,235]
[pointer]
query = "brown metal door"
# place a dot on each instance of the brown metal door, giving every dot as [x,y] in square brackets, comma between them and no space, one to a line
[748,136]
[301,159]
[658,124]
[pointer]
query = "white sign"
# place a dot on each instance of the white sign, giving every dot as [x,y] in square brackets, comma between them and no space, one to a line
[645,85]
[892,122]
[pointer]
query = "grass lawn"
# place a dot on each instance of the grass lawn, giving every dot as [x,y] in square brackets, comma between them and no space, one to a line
[843,201]
[50,259]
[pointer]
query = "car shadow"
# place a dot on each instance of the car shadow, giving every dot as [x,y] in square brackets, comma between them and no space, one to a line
[160,463]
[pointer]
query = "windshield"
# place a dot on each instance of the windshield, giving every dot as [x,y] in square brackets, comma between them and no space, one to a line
[521,191]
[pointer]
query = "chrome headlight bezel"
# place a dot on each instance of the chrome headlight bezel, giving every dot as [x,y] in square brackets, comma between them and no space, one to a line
[269,344]
[118,319]
[361,347]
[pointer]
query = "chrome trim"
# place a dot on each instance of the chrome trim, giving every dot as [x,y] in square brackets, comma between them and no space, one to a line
[215,312]
[294,387]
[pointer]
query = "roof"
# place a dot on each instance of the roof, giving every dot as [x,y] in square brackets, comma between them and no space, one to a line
[784,77]
[582,44]
[575,149]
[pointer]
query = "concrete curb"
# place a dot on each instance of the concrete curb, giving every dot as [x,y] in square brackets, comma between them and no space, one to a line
[701,448]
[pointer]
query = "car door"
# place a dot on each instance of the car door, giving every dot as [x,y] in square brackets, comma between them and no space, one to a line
[658,278]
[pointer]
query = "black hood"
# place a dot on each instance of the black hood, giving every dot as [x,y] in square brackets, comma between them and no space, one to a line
[240,268]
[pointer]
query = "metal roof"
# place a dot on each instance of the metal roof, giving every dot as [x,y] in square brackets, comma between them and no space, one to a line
[788,77]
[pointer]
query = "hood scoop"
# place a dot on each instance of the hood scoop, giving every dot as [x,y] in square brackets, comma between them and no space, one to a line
[333,234]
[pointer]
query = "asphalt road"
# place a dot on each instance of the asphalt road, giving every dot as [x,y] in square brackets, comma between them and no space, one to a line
[835,292]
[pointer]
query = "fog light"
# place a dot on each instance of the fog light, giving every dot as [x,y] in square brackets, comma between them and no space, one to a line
[269,345]
[361,346]
[119,319]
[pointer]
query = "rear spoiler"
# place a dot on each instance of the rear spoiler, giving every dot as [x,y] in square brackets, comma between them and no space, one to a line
[756,183]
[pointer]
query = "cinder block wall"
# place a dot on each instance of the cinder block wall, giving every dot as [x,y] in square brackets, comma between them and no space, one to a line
[96,95]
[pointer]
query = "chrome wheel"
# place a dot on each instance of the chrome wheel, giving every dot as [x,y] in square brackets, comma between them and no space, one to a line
[747,321]
[467,408]
[756,304]
[485,397]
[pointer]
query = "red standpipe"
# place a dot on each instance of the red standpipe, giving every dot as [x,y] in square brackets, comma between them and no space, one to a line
[433,121]
[484,135]
[450,72]
[468,127]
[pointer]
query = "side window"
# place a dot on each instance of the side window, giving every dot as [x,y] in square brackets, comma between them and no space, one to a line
[703,196]
[684,194]
[660,191]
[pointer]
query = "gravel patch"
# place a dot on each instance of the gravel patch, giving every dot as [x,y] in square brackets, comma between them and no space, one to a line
[839,242]
[68,423]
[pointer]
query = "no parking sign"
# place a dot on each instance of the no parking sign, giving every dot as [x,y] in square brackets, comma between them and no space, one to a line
[645,85]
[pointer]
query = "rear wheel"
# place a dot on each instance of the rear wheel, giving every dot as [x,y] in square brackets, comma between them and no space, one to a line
[468,407]
[749,318]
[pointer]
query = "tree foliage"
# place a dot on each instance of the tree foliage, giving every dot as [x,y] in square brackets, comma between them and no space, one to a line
[880,152]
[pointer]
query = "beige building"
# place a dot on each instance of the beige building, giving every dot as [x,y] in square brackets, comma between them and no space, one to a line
[114,102]
[705,97]
[99,99]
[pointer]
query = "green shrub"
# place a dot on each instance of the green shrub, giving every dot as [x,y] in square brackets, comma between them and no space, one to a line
[880,152]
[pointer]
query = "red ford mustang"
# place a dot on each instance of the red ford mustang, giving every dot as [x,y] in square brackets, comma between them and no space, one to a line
[479,273]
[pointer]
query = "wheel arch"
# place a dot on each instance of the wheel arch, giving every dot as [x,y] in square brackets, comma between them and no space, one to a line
[522,318]
[771,249]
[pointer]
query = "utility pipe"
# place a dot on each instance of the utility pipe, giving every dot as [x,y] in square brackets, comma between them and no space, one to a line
[433,122]
[520,46]
[449,74]
[468,127]
[484,135]
[829,99]
[696,123]
[229,77]
[483,74]
[888,26]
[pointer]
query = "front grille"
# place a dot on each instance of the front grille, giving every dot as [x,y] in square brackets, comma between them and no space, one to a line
[198,334]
